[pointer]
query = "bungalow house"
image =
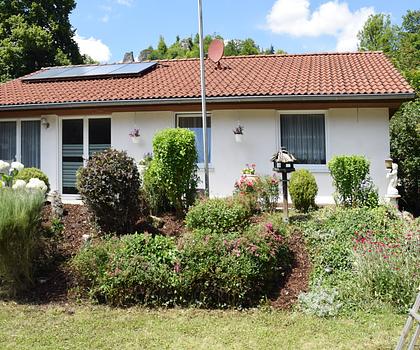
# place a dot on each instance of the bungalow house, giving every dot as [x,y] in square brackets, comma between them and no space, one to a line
[315,105]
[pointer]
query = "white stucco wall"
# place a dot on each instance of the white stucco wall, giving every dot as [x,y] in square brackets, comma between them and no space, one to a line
[348,131]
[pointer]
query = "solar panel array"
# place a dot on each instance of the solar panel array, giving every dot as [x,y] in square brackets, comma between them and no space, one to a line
[81,72]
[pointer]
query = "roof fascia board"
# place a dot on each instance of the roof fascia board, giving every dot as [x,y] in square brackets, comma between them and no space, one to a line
[191,100]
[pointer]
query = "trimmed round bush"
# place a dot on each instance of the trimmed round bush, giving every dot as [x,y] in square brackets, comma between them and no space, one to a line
[109,186]
[219,215]
[28,173]
[303,190]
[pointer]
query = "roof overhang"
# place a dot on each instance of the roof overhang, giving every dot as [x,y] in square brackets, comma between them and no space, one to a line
[196,100]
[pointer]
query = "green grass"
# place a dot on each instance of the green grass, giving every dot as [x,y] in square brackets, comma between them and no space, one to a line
[99,327]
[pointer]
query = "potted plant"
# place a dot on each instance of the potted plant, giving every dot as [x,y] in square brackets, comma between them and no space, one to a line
[249,171]
[135,135]
[239,133]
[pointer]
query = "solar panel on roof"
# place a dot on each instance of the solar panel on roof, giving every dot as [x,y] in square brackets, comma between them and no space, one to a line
[81,72]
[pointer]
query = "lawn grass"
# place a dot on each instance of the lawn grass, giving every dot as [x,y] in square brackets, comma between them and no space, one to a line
[100,327]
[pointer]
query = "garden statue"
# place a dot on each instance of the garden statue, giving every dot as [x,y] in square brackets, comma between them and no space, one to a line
[393,180]
[392,194]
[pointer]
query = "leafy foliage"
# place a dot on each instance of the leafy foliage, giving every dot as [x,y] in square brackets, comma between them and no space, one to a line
[378,34]
[405,149]
[20,217]
[28,173]
[174,167]
[220,215]
[320,301]
[35,35]
[109,186]
[210,270]
[303,190]
[352,182]
[334,235]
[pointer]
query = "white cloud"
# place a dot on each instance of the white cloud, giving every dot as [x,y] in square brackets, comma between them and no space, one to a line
[95,48]
[105,18]
[125,2]
[334,18]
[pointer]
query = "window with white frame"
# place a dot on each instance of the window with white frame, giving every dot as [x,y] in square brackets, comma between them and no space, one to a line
[303,135]
[194,122]
[21,140]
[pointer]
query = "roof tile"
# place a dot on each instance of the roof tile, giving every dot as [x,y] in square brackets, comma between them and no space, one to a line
[262,75]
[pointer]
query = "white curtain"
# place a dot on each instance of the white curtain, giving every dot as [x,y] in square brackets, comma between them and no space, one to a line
[304,137]
[195,124]
[31,143]
[8,141]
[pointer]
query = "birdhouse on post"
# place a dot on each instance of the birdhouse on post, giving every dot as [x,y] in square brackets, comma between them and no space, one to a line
[283,162]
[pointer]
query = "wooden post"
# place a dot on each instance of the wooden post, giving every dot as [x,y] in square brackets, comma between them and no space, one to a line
[285,200]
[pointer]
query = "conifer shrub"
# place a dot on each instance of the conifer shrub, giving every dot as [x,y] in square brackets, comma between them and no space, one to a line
[303,190]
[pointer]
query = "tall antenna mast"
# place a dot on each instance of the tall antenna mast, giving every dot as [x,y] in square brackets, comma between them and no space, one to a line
[203,99]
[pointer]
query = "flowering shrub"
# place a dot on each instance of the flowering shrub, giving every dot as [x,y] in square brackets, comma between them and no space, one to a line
[352,249]
[205,269]
[263,190]
[137,268]
[8,172]
[249,169]
[29,173]
[388,270]
[234,269]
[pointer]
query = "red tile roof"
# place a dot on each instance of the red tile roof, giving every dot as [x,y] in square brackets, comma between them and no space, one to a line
[361,73]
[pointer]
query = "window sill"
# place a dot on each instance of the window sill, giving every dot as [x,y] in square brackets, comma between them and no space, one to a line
[314,168]
[201,167]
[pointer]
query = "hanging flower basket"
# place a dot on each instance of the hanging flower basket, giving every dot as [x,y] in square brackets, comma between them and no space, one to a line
[239,137]
[135,139]
[135,135]
[239,133]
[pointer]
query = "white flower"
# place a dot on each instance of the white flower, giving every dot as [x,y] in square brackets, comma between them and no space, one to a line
[2,184]
[19,184]
[37,184]
[4,166]
[17,166]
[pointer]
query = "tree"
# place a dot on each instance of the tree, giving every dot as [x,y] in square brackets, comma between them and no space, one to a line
[405,149]
[249,47]
[402,46]
[35,35]
[378,34]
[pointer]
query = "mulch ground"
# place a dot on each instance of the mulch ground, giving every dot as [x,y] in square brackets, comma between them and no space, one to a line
[53,284]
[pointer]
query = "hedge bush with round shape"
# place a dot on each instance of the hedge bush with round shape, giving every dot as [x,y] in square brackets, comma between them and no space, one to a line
[303,190]
[219,214]
[109,186]
[28,173]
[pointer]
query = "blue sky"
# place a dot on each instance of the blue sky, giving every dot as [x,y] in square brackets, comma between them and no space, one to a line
[108,28]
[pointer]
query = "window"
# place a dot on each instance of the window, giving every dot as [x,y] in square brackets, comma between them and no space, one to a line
[194,122]
[303,135]
[79,145]
[21,141]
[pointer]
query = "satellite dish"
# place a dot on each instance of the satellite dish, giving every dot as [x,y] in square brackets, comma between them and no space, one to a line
[216,50]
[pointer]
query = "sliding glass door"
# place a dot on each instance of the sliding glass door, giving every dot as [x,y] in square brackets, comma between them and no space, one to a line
[80,139]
